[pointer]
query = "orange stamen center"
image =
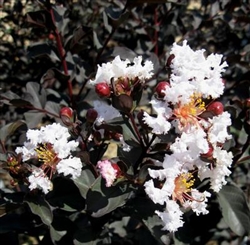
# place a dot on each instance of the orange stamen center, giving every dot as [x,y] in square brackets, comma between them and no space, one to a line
[188,113]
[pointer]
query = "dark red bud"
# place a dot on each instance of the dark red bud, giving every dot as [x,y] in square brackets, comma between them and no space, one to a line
[91,115]
[103,90]
[160,87]
[216,108]
[169,60]
[247,103]
[97,137]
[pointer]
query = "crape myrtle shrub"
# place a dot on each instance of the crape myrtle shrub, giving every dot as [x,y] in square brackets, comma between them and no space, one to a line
[86,160]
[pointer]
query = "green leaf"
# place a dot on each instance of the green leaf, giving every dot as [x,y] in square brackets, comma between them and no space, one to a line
[43,49]
[65,195]
[9,129]
[235,210]
[20,103]
[41,208]
[55,234]
[84,181]
[102,200]
[33,118]
[37,93]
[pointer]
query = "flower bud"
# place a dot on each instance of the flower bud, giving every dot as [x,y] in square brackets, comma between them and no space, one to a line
[103,90]
[209,152]
[216,108]
[160,87]
[91,115]
[123,103]
[247,103]
[67,115]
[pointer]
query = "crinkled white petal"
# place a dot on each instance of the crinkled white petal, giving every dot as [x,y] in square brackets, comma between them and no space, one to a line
[221,170]
[218,133]
[157,195]
[64,149]
[199,204]
[172,217]
[105,112]
[27,151]
[123,68]
[159,124]
[188,147]
[38,180]
[72,166]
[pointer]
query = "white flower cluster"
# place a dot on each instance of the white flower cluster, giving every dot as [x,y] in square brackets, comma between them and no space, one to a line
[194,78]
[123,68]
[51,147]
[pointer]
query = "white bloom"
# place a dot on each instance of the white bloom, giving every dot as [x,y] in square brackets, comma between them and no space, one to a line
[218,133]
[71,166]
[38,180]
[197,74]
[123,68]
[172,217]
[188,147]
[108,172]
[105,112]
[51,146]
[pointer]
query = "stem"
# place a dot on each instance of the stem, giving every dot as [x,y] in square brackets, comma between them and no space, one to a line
[157,24]
[105,44]
[61,53]
[136,129]
[34,108]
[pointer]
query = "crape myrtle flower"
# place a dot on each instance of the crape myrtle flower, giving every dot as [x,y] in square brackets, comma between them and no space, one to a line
[109,171]
[194,79]
[51,147]
[120,81]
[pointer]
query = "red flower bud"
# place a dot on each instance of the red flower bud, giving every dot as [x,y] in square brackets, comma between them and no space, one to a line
[216,108]
[103,90]
[169,60]
[117,168]
[160,87]
[91,115]
[67,115]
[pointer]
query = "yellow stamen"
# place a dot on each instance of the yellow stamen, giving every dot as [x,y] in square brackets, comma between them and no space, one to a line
[183,184]
[47,155]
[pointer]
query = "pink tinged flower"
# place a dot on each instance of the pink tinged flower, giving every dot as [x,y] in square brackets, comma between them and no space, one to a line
[108,171]
[38,180]
[171,217]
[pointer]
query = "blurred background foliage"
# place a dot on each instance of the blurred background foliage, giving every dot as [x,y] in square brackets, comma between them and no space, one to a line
[92,32]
